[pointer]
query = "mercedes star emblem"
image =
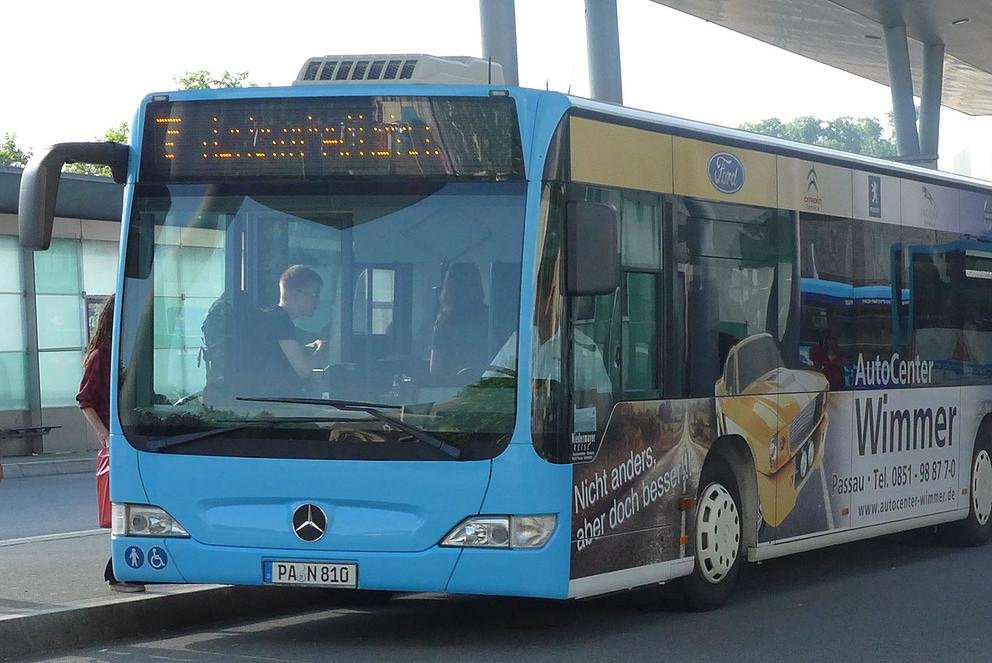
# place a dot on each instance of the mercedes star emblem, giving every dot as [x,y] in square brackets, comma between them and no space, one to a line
[309,522]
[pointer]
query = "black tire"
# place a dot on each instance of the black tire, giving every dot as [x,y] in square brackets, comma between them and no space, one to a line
[711,584]
[976,529]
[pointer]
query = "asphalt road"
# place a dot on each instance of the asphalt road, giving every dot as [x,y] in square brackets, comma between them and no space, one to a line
[900,598]
[47,505]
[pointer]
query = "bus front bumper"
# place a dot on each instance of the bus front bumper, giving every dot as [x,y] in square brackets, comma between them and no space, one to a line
[535,573]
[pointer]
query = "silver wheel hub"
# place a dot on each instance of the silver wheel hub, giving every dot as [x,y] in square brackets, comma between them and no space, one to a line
[718,533]
[981,487]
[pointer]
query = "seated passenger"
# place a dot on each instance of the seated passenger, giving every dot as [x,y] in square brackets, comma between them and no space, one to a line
[282,363]
[589,367]
[460,331]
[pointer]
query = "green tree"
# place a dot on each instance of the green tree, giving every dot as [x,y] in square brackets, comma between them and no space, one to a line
[11,154]
[118,134]
[861,135]
[202,79]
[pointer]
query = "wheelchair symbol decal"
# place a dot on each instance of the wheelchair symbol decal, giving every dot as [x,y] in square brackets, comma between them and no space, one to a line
[157,558]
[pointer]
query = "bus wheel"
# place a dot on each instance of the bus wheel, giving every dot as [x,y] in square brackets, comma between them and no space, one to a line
[976,529]
[718,539]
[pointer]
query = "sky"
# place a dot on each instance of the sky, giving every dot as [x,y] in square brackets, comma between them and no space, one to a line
[74,77]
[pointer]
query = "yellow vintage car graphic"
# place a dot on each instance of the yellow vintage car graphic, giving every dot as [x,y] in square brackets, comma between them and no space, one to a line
[780,412]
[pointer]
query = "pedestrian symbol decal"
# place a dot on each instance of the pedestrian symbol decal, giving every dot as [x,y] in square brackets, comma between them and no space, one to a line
[157,558]
[134,557]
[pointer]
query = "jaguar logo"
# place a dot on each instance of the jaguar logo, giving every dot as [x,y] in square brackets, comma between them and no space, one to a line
[928,213]
[309,522]
[726,172]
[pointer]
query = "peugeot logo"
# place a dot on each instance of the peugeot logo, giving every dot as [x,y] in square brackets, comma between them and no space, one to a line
[309,522]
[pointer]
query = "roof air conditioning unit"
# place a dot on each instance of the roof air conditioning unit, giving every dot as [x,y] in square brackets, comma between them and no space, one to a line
[399,69]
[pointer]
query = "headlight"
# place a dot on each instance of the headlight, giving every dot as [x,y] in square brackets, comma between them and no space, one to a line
[531,531]
[144,520]
[773,450]
[502,532]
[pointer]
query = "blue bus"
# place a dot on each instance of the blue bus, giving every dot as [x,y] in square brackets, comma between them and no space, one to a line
[379,330]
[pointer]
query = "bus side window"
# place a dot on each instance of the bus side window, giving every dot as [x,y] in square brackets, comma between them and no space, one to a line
[732,258]
[616,337]
[641,295]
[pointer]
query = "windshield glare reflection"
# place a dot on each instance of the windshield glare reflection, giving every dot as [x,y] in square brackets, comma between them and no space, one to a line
[397,301]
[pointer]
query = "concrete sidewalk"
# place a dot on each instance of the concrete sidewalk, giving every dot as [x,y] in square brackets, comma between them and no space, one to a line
[53,597]
[70,462]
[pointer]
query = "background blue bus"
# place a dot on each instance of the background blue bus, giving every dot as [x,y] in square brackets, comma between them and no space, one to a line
[860,318]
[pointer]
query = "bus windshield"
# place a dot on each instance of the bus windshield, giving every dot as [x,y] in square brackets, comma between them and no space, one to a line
[303,320]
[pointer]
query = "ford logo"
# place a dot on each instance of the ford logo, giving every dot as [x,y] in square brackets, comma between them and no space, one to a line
[726,172]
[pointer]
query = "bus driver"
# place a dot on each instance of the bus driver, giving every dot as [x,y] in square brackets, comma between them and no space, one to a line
[283,363]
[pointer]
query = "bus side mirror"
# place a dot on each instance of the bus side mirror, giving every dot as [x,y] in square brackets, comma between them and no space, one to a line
[592,260]
[40,185]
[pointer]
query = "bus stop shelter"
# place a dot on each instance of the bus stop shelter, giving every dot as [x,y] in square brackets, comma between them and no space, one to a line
[936,51]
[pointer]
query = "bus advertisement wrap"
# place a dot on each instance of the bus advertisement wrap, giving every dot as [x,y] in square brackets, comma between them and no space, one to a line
[888,455]
[651,455]
[871,457]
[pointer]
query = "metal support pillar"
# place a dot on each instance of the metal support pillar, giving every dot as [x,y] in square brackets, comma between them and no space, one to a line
[499,36]
[603,47]
[933,83]
[901,86]
[33,368]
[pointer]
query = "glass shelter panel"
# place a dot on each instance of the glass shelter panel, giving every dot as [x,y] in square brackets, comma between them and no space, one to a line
[10,265]
[13,356]
[99,262]
[13,384]
[56,271]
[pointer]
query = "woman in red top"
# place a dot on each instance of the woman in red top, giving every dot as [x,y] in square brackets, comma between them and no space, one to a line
[94,401]
[826,358]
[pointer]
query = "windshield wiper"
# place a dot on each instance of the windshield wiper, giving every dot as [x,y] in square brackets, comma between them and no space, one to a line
[359,406]
[372,409]
[160,443]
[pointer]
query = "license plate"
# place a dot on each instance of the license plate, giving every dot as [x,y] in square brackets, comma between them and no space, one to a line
[314,574]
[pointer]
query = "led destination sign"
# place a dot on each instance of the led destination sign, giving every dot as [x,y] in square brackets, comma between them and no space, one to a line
[314,138]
